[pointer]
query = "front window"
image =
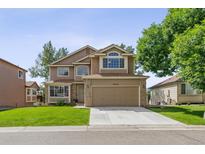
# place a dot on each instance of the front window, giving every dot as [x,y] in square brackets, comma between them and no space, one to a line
[63,71]
[58,91]
[189,90]
[183,88]
[20,75]
[113,62]
[82,70]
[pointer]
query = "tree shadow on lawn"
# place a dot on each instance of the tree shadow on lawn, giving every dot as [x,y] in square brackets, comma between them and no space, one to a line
[2,109]
[198,113]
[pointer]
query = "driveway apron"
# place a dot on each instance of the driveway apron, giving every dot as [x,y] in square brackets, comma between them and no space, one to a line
[128,116]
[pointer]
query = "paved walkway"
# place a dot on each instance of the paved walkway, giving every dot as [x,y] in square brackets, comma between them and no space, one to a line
[128,116]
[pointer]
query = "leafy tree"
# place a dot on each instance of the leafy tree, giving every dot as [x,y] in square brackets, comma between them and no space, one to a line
[178,20]
[188,54]
[46,57]
[152,51]
[129,48]
[157,48]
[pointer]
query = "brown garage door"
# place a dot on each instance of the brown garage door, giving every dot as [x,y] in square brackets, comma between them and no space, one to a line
[115,96]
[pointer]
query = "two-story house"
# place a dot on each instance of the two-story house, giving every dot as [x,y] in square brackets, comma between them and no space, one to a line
[104,77]
[14,90]
[12,84]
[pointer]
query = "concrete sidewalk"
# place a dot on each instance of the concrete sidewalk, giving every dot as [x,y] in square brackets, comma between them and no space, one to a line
[97,128]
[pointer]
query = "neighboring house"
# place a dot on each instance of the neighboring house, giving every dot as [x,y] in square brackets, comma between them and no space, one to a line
[32,89]
[12,84]
[174,90]
[94,77]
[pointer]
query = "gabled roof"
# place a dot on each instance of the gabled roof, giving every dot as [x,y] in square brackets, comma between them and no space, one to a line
[12,64]
[74,52]
[79,60]
[167,81]
[112,46]
[30,83]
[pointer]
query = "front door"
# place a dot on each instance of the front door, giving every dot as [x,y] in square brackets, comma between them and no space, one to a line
[80,93]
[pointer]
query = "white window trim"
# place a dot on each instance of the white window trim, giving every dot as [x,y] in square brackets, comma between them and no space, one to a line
[76,72]
[31,90]
[69,93]
[113,52]
[59,96]
[22,73]
[31,94]
[124,57]
[58,75]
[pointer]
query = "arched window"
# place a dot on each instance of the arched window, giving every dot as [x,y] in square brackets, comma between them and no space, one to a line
[82,70]
[113,54]
[113,61]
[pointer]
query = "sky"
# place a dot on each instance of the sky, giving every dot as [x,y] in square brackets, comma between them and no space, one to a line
[24,31]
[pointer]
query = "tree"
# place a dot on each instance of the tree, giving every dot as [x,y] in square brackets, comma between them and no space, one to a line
[155,47]
[153,53]
[178,20]
[129,48]
[188,54]
[48,55]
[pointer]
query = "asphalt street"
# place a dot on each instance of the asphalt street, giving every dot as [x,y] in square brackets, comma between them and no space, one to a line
[89,137]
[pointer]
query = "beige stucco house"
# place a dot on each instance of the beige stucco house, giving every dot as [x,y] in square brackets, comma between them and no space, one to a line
[94,77]
[174,90]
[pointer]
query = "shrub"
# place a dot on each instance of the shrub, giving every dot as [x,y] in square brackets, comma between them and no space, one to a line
[72,104]
[60,102]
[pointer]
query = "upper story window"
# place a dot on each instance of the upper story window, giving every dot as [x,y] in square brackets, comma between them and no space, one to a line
[82,70]
[20,74]
[113,60]
[63,71]
[113,54]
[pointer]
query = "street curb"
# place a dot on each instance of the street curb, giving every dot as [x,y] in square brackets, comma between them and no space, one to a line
[99,128]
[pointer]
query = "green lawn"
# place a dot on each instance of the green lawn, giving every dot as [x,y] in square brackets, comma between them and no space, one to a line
[44,116]
[191,115]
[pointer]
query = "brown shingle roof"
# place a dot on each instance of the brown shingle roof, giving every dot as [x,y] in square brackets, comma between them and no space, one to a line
[167,81]
[110,46]
[30,83]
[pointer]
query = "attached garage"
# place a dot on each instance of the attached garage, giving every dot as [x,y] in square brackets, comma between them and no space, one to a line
[115,96]
[115,91]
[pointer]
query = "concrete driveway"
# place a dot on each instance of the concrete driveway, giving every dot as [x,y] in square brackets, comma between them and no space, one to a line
[128,116]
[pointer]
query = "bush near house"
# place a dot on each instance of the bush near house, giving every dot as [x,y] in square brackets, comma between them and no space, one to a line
[44,116]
